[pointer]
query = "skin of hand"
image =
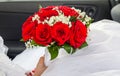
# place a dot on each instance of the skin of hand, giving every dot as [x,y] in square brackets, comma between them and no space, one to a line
[41,67]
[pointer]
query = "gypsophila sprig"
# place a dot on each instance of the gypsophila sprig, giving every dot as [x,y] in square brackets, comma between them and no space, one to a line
[56,27]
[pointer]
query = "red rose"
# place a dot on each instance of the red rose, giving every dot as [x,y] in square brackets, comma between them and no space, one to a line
[78,34]
[42,34]
[60,32]
[50,7]
[47,12]
[28,29]
[68,11]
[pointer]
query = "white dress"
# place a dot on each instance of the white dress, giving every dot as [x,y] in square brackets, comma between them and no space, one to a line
[100,58]
[7,67]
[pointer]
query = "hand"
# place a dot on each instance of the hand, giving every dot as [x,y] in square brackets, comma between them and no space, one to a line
[41,67]
[31,73]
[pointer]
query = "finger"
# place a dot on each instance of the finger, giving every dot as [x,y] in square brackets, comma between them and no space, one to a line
[42,59]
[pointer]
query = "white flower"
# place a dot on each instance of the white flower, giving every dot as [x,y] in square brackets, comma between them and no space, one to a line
[70,25]
[82,14]
[55,8]
[52,20]
[87,19]
[60,18]
[84,22]
[63,18]
[36,17]
[77,10]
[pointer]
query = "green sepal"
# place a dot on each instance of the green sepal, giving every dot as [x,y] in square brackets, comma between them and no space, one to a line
[33,43]
[83,45]
[88,23]
[72,18]
[40,6]
[53,50]
[73,50]
[68,48]
[82,19]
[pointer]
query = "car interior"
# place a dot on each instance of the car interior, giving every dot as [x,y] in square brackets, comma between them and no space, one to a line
[14,13]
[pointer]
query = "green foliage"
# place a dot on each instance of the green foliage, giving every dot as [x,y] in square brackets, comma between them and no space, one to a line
[72,18]
[53,50]
[68,48]
[83,45]
[88,23]
[34,43]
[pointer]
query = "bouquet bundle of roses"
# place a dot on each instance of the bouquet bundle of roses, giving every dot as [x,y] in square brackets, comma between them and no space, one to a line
[56,27]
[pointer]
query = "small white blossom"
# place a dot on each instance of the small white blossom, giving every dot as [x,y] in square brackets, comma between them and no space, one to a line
[84,22]
[55,8]
[70,25]
[52,42]
[73,8]
[51,20]
[36,17]
[47,18]
[64,19]
[87,18]
[28,44]
[39,22]
[82,14]
[77,10]
[43,22]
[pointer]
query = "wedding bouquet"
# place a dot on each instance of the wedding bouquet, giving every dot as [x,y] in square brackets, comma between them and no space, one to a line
[56,27]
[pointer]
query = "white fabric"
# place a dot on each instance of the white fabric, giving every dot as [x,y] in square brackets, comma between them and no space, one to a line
[3,48]
[62,53]
[100,58]
[2,73]
[7,67]
[28,59]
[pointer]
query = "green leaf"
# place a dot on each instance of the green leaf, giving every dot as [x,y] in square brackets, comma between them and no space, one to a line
[34,43]
[88,23]
[40,6]
[67,47]
[73,50]
[91,20]
[72,18]
[53,50]
[83,45]
[83,19]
